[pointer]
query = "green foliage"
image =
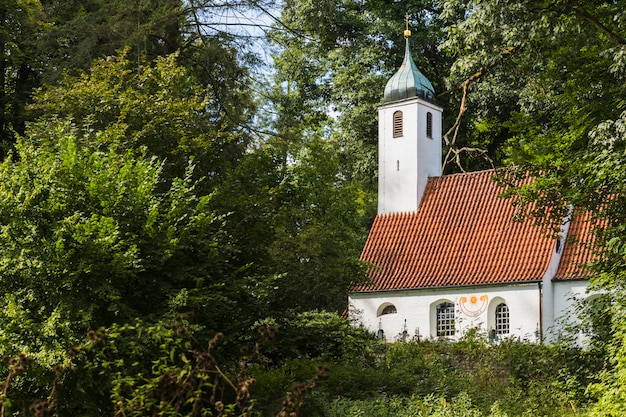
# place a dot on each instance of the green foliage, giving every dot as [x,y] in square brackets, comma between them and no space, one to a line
[89,240]
[468,379]
[510,378]
[384,406]
[147,369]
[81,32]
[157,107]
[41,42]
[556,66]
[320,336]
[296,218]
[136,369]
[165,368]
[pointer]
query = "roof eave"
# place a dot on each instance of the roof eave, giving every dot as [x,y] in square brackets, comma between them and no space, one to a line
[445,287]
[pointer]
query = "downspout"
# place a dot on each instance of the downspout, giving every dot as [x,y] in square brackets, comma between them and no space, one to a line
[540,335]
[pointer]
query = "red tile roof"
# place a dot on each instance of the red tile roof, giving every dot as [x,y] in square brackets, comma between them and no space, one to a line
[462,234]
[578,250]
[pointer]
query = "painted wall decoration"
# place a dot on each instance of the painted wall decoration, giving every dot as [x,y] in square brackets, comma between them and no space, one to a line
[473,306]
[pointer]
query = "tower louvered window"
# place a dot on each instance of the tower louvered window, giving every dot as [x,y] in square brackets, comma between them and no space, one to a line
[397,124]
[502,319]
[429,125]
[445,319]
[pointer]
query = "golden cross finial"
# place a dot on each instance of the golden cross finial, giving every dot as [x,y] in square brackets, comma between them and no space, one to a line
[407,32]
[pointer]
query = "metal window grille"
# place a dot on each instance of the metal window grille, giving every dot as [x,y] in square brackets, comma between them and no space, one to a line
[390,309]
[502,319]
[429,125]
[397,124]
[445,319]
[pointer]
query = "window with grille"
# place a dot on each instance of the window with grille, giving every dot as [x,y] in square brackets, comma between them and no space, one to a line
[397,124]
[429,125]
[445,319]
[390,309]
[502,319]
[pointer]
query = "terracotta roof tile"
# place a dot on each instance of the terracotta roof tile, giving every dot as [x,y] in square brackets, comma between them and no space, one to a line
[462,234]
[578,249]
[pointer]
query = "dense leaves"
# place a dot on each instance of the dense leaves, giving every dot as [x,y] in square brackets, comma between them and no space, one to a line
[159,107]
[42,41]
[296,219]
[19,69]
[430,378]
[81,31]
[88,240]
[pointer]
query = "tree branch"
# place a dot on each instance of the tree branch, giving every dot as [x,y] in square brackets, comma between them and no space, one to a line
[454,129]
[580,11]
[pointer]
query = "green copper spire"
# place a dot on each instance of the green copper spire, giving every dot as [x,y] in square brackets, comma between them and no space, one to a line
[408,82]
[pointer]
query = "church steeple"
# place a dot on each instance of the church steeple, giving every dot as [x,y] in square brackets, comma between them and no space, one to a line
[408,82]
[409,138]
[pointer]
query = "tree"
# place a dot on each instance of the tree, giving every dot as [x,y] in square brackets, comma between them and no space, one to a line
[158,107]
[19,67]
[80,32]
[560,66]
[89,239]
[293,217]
[41,41]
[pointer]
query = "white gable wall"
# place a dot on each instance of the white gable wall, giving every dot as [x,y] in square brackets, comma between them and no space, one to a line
[417,307]
[560,297]
[549,309]
[566,294]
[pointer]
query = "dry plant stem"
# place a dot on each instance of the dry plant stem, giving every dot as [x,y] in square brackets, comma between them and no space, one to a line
[219,371]
[5,390]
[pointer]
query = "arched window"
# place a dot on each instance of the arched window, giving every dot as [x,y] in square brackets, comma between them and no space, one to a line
[388,309]
[397,124]
[445,319]
[429,125]
[502,319]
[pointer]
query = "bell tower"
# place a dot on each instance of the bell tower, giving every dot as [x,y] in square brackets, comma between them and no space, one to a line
[409,137]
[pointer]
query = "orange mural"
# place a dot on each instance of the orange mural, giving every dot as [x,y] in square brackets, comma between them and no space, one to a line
[474,306]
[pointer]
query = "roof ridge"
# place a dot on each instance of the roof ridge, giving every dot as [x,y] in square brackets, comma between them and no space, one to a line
[470,173]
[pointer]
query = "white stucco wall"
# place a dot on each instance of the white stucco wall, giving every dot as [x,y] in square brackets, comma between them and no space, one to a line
[406,162]
[417,307]
[566,294]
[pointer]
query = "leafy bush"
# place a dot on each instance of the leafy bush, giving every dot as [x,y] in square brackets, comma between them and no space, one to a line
[163,369]
[319,335]
[394,406]
[510,378]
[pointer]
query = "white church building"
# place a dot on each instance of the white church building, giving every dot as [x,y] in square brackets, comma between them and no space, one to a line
[444,253]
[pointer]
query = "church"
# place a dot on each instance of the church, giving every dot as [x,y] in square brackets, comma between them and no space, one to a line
[445,255]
